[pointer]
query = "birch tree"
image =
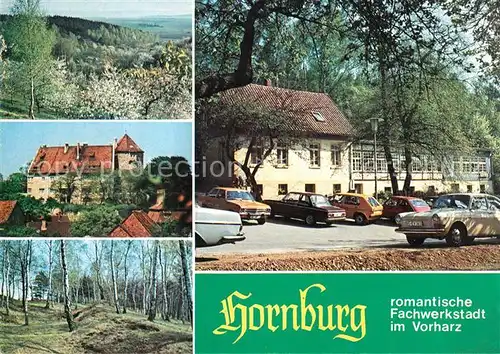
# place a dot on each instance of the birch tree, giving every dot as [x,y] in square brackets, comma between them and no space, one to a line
[187,278]
[113,279]
[152,286]
[67,299]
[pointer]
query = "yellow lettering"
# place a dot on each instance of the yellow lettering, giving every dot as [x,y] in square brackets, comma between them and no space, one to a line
[252,325]
[270,310]
[229,312]
[309,308]
[284,310]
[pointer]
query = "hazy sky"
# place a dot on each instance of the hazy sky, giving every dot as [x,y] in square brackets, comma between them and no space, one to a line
[19,141]
[110,8]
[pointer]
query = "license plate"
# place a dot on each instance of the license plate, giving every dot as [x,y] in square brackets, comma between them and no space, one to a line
[415,223]
[254,216]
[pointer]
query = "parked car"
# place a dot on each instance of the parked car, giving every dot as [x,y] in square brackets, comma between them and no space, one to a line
[399,204]
[362,208]
[457,218]
[217,227]
[237,200]
[310,207]
[430,200]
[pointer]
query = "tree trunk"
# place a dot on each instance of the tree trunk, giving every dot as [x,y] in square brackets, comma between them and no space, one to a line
[125,290]
[7,271]
[187,280]
[152,286]
[49,290]
[163,266]
[408,163]
[2,300]
[32,101]
[98,272]
[67,300]
[143,264]
[113,279]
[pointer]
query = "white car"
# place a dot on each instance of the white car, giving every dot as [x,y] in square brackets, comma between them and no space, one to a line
[214,227]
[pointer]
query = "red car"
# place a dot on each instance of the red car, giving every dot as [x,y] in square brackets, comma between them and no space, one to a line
[397,204]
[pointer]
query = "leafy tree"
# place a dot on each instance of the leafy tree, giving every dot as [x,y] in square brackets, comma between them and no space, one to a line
[30,42]
[97,222]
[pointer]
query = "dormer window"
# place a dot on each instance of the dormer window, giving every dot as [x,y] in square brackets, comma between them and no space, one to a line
[92,155]
[318,116]
[42,156]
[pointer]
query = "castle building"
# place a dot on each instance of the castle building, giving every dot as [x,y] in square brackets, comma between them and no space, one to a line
[81,160]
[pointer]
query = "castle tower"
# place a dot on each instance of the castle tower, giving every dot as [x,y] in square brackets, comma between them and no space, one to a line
[128,155]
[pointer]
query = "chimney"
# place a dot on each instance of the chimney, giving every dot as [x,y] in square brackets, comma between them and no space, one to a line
[267,82]
[78,147]
[43,228]
[66,148]
[160,197]
[113,157]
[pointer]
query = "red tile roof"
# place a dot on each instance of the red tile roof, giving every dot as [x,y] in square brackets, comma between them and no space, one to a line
[6,209]
[297,105]
[138,224]
[126,144]
[54,159]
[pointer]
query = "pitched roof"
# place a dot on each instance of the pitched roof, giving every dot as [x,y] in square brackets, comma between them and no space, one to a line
[56,159]
[6,209]
[126,144]
[301,107]
[138,224]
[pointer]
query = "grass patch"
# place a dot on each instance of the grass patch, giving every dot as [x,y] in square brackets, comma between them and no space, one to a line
[99,330]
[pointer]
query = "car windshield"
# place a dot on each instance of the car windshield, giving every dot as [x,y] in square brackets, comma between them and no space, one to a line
[373,202]
[239,195]
[418,203]
[319,200]
[453,201]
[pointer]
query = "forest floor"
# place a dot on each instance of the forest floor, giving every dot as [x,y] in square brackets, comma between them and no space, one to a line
[98,330]
[477,257]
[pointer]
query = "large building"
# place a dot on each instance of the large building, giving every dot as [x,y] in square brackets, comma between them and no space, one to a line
[328,160]
[53,162]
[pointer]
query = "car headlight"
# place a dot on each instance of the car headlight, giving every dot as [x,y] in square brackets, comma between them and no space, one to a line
[436,219]
[243,210]
[268,210]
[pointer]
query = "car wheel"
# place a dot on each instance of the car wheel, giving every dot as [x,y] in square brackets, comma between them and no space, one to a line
[329,223]
[360,219]
[456,236]
[415,241]
[262,220]
[310,220]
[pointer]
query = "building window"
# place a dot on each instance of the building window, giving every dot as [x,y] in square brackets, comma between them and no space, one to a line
[457,167]
[358,188]
[314,157]
[466,165]
[482,188]
[387,189]
[282,189]
[42,190]
[381,162]
[482,165]
[431,190]
[356,161]
[455,187]
[337,188]
[368,161]
[282,154]
[256,153]
[311,188]
[318,116]
[336,155]
[469,188]
[417,165]
[29,190]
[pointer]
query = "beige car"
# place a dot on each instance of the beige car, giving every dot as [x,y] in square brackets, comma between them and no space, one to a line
[457,218]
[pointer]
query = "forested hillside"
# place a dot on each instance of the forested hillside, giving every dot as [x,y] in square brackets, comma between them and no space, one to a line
[85,69]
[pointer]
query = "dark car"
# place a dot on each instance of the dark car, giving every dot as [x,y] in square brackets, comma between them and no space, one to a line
[310,207]
[399,204]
